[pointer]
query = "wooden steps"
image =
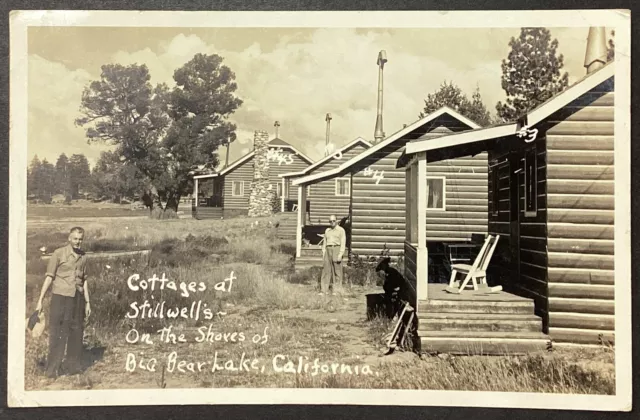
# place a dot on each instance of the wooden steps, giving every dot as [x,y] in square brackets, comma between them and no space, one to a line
[208,213]
[478,323]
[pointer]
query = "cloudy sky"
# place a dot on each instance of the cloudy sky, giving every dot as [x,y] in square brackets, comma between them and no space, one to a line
[294,76]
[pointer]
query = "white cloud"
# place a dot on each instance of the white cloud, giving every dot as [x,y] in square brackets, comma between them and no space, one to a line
[54,102]
[298,82]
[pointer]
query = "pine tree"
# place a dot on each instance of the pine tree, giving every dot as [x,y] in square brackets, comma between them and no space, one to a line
[33,174]
[46,180]
[79,174]
[611,48]
[452,96]
[531,74]
[62,175]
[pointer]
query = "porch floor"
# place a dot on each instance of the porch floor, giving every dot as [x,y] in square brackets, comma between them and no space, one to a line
[436,291]
[478,322]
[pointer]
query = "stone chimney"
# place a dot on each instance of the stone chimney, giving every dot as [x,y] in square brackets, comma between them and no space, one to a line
[262,195]
[596,55]
[379,132]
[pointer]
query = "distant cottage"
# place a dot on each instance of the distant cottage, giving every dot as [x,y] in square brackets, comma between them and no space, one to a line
[227,193]
[458,189]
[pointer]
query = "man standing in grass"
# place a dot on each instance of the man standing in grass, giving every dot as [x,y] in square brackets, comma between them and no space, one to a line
[333,248]
[69,304]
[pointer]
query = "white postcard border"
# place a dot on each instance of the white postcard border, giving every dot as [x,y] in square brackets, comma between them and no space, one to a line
[21,20]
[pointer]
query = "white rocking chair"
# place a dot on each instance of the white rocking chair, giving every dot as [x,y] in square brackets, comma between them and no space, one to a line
[476,273]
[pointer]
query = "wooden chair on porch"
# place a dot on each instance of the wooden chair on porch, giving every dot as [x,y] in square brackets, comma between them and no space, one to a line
[476,273]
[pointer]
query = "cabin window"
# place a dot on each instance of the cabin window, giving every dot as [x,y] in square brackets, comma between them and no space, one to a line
[343,187]
[530,183]
[279,189]
[237,188]
[436,193]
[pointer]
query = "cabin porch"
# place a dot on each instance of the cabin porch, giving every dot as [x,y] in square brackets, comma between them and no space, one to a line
[208,193]
[478,322]
[456,319]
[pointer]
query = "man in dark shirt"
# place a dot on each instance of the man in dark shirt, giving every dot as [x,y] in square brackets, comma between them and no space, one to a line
[69,304]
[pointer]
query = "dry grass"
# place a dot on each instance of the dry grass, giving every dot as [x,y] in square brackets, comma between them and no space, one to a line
[266,293]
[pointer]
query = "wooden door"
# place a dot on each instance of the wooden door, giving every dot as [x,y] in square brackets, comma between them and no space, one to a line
[515,175]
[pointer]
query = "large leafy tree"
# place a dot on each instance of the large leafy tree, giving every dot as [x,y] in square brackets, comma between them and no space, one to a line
[123,109]
[200,105]
[531,74]
[163,133]
[452,96]
[115,179]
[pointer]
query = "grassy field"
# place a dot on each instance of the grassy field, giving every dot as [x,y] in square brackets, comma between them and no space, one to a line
[266,300]
[82,209]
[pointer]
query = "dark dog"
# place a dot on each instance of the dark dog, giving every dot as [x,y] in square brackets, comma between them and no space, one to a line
[396,288]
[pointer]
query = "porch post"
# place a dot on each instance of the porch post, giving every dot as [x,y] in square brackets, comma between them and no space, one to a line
[422,257]
[283,194]
[195,190]
[302,210]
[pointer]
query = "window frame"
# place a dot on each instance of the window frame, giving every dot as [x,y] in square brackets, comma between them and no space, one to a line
[233,188]
[337,188]
[528,155]
[444,192]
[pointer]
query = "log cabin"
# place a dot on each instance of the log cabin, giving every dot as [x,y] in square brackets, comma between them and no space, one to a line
[226,193]
[551,201]
[328,196]
[376,216]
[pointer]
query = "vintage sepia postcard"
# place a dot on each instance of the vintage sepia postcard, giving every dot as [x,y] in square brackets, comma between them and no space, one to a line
[398,208]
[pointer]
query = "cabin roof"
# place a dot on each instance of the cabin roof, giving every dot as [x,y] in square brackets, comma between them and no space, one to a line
[389,140]
[533,117]
[347,146]
[278,142]
[274,143]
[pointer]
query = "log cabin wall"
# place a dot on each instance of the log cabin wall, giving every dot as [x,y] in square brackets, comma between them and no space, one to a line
[234,205]
[410,267]
[298,164]
[580,139]
[323,199]
[466,199]
[238,204]
[378,210]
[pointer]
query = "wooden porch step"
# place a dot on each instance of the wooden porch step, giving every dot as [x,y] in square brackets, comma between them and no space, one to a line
[497,345]
[209,213]
[524,307]
[478,322]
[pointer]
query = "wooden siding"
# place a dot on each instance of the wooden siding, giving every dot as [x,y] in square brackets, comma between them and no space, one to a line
[466,205]
[298,164]
[581,219]
[323,199]
[378,210]
[244,172]
[410,256]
